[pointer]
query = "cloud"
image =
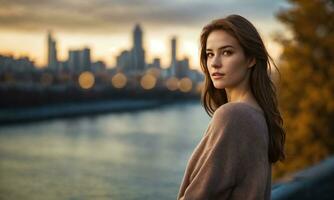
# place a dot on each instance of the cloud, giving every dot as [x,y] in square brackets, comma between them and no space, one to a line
[119,15]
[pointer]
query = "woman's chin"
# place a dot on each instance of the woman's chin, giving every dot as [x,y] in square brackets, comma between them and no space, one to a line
[219,86]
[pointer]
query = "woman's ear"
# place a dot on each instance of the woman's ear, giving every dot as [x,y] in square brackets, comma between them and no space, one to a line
[251,62]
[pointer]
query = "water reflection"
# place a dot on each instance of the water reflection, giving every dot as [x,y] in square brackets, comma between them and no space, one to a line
[139,155]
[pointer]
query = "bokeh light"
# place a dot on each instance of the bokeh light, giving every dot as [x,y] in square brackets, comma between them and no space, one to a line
[119,80]
[148,81]
[172,83]
[86,80]
[199,87]
[185,84]
[154,71]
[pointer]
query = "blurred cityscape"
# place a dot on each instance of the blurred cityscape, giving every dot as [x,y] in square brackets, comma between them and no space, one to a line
[79,78]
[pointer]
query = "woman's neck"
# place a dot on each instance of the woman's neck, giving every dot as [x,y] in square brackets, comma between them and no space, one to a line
[241,93]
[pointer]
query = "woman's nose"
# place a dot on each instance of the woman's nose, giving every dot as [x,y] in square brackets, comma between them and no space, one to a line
[216,62]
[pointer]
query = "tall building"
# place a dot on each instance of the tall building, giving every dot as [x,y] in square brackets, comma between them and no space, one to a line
[85,60]
[52,52]
[173,63]
[79,60]
[74,60]
[138,52]
[182,69]
[124,62]
[98,66]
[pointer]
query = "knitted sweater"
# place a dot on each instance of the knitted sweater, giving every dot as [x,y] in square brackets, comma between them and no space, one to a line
[231,161]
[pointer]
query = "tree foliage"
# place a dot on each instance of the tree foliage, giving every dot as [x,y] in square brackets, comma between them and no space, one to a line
[306,89]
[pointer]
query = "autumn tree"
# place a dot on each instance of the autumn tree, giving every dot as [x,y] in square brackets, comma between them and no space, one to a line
[306,89]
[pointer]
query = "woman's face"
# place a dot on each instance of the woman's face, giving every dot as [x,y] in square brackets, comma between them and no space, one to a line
[226,61]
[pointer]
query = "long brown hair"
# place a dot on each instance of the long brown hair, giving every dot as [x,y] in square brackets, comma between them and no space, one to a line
[261,84]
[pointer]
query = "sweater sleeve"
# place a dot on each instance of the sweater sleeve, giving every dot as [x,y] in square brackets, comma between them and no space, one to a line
[216,165]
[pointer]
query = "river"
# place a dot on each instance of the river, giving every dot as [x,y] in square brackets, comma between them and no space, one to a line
[125,156]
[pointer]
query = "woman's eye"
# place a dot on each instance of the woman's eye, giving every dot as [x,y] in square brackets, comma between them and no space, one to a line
[209,55]
[227,53]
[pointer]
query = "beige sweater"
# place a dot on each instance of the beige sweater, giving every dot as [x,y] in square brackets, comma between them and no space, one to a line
[231,161]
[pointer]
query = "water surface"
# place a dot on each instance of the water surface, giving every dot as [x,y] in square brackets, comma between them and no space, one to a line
[133,155]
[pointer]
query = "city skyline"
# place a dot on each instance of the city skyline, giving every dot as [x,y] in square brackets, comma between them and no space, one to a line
[129,61]
[26,37]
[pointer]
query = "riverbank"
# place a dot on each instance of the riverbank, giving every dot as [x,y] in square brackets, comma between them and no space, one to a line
[65,110]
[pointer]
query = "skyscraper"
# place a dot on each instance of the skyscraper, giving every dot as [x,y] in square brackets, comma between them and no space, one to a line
[124,62]
[138,52]
[182,68]
[52,52]
[74,61]
[173,63]
[85,61]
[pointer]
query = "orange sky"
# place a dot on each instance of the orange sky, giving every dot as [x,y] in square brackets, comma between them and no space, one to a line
[107,30]
[107,47]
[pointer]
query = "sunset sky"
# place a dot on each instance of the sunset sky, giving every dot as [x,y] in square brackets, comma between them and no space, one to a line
[106,25]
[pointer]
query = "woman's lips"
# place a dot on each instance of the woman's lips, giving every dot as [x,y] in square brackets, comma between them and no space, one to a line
[217,75]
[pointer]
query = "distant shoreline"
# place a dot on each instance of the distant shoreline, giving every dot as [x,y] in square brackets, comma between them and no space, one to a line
[12,116]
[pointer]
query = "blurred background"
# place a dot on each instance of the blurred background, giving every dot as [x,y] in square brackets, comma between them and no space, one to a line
[101,99]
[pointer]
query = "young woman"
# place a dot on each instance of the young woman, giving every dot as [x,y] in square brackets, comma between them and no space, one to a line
[245,136]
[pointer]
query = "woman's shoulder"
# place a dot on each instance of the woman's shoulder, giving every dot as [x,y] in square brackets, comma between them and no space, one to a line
[234,119]
[239,115]
[236,110]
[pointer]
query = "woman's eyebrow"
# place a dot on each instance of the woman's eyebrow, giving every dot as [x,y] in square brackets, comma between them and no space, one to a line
[223,47]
